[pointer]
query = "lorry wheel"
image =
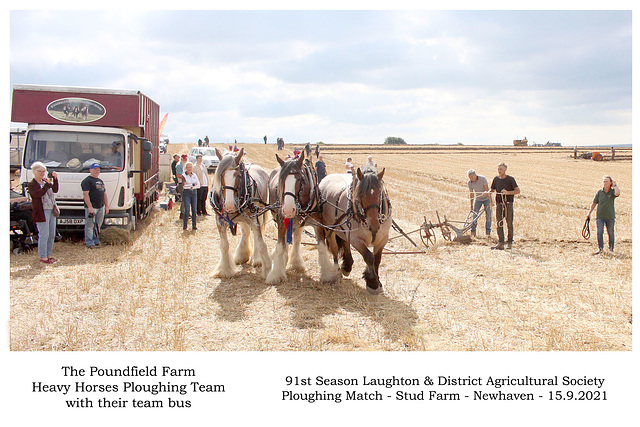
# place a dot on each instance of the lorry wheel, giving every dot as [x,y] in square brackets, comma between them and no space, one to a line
[598,157]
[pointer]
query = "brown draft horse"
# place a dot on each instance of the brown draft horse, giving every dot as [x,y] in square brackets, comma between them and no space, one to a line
[356,212]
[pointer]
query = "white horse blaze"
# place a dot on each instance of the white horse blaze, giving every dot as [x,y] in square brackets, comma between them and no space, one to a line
[289,203]
[229,196]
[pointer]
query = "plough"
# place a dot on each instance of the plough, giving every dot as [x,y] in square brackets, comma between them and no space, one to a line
[449,231]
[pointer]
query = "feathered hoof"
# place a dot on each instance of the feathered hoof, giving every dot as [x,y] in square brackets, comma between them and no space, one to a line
[241,259]
[255,262]
[330,279]
[224,272]
[376,291]
[273,278]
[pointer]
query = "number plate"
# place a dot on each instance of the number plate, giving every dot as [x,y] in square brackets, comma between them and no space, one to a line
[71,221]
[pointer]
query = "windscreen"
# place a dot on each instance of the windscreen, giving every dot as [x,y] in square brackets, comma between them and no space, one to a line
[75,151]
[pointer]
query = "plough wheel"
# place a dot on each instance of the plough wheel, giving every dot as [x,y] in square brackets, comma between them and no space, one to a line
[446,233]
[428,236]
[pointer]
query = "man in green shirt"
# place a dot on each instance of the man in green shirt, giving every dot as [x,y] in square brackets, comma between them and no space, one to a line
[606,213]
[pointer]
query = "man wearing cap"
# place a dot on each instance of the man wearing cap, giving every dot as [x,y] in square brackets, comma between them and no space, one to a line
[179,171]
[96,206]
[479,196]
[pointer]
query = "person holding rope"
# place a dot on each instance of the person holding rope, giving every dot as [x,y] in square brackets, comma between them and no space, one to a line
[606,213]
[479,196]
[505,187]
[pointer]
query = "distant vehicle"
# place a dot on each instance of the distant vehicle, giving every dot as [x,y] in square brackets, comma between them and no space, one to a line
[209,158]
[521,142]
[164,141]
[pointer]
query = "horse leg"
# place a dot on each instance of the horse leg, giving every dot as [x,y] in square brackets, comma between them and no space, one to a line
[296,263]
[328,271]
[370,276]
[333,246]
[261,252]
[225,267]
[347,258]
[277,273]
[243,251]
[377,253]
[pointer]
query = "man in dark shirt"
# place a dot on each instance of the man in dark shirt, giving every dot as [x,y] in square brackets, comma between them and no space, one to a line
[321,169]
[505,188]
[96,206]
[176,159]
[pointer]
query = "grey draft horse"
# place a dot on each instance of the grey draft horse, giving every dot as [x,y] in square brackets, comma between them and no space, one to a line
[356,212]
[294,194]
[238,194]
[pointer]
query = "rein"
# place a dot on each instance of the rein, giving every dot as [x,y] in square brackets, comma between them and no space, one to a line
[586,231]
[244,199]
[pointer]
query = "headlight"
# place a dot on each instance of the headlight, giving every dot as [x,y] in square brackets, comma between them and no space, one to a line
[116,221]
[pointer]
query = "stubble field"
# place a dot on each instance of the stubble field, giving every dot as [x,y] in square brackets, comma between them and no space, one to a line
[548,293]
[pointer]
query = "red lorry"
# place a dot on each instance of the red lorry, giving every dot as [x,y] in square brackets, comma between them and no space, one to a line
[69,128]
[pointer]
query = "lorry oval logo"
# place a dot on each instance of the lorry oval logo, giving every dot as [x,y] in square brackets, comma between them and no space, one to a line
[76,110]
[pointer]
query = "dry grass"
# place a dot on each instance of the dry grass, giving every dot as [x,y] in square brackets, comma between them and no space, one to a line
[548,293]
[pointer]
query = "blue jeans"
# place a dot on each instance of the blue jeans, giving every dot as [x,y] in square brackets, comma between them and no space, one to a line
[46,234]
[190,200]
[487,213]
[600,223]
[92,226]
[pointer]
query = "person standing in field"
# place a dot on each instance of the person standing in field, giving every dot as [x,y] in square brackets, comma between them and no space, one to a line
[321,169]
[179,171]
[176,160]
[371,164]
[190,185]
[349,166]
[96,206]
[505,187]
[606,213]
[43,203]
[479,196]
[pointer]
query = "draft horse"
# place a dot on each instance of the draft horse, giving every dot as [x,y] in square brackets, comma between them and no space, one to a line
[295,200]
[356,212]
[238,198]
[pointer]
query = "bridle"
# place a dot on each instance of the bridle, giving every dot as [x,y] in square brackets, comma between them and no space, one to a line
[243,195]
[383,206]
[305,176]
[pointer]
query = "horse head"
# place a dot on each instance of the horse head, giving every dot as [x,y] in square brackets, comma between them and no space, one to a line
[294,186]
[228,178]
[368,196]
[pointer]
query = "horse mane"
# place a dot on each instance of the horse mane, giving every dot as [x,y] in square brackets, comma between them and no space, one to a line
[370,181]
[228,162]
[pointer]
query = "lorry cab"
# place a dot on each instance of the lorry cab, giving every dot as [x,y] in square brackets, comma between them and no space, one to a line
[70,151]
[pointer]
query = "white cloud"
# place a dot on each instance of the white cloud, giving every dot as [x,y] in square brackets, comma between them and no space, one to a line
[336,76]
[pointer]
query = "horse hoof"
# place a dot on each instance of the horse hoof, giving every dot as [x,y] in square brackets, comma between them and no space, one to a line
[345,273]
[376,291]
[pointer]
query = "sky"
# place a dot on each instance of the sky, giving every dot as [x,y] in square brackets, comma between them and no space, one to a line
[445,77]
